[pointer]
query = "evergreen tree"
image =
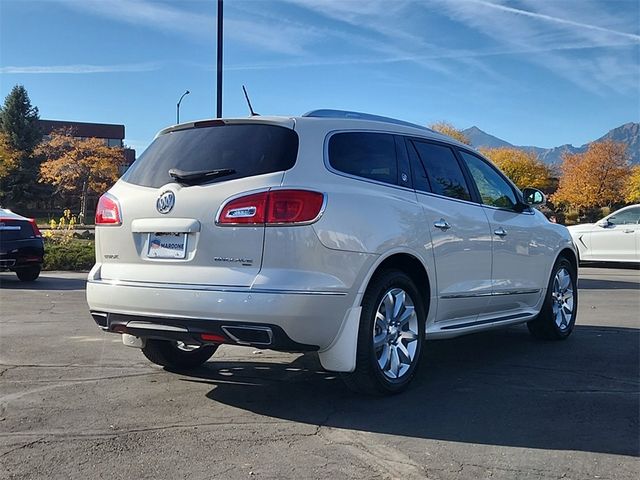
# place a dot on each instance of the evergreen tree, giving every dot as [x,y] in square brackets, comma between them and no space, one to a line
[19,123]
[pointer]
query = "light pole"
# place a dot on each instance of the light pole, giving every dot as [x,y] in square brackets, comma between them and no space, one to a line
[187,92]
[219,64]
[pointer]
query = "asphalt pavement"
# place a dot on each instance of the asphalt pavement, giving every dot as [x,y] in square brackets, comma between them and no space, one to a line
[76,403]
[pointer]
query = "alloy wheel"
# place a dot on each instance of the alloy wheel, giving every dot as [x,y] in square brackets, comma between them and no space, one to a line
[395,333]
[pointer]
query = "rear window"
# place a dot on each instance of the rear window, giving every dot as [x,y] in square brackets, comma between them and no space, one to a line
[248,149]
[369,155]
[14,230]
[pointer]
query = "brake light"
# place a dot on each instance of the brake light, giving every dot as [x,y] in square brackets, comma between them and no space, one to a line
[273,207]
[108,211]
[34,226]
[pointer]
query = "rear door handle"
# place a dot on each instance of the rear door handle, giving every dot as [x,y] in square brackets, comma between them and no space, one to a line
[501,232]
[442,224]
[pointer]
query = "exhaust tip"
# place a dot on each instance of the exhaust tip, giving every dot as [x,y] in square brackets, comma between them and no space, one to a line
[245,335]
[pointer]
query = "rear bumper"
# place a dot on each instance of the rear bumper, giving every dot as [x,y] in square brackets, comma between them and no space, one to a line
[298,320]
[21,253]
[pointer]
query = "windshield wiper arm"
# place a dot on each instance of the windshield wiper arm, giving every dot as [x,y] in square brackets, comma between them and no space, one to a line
[199,176]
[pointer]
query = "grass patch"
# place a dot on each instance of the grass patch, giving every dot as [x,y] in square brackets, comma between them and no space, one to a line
[76,254]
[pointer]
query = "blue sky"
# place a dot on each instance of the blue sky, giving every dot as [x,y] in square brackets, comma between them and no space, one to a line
[533,72]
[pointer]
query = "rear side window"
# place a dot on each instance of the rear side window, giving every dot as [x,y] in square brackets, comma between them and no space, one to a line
[443,170]
[368,155]
[248,149]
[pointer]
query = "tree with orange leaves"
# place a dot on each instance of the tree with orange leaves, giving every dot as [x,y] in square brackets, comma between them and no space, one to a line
[524,168]
[9,157]
[632,188]
[80,166]
[596,178]
[446,128]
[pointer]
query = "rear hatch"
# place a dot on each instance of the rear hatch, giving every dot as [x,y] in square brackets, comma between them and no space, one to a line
[13,228]
[168,232]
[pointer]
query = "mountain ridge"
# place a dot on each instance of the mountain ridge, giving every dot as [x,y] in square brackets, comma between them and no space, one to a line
[628,133]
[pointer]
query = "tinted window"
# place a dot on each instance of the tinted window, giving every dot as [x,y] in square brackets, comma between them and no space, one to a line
[369,155]
[420,180]
[248,149]
[630,216]
[443,171]
[494,190]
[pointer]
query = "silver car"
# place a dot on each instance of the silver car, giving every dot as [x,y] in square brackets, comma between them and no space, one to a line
[350,235]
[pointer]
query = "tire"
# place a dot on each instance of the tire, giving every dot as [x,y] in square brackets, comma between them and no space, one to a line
[558,315]
[28,274]
[169,354]
[389,366]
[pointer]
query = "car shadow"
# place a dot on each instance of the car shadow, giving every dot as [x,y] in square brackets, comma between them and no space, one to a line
[597,284]
[498,388]
[9,281]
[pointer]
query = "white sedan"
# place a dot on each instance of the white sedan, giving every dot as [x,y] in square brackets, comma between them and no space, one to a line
[615,238]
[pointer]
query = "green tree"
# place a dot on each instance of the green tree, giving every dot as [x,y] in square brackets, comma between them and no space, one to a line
[19,124]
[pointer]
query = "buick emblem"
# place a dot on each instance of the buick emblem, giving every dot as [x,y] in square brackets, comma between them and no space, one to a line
[166,201]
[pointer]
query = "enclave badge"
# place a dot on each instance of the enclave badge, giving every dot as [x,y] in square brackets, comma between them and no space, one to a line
[166,201]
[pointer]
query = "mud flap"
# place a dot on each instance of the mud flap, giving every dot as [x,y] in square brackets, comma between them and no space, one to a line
[341,355]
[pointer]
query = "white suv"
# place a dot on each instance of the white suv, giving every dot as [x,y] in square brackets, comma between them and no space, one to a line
[352,235]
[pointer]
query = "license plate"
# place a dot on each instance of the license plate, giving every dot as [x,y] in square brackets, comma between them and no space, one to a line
[167,245]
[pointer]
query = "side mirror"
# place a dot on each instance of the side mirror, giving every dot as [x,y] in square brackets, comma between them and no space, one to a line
[533,197]
[604,223]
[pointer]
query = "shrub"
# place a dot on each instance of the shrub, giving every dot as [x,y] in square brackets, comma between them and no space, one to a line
[74,254]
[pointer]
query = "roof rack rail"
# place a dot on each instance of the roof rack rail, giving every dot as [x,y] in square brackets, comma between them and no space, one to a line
[327,113]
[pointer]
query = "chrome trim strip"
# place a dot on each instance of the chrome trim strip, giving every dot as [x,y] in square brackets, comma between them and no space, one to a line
[517,292]
[156,326]
[466,295]
[492,294]
[484,322]
[212,288]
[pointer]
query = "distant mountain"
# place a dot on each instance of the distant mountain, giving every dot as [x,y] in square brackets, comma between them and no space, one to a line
[479,138]
[628,133]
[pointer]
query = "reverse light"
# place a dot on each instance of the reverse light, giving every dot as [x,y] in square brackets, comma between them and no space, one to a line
[275,207]
[108,211]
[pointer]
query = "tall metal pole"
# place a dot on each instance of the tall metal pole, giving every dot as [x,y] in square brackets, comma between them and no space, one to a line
[219,71]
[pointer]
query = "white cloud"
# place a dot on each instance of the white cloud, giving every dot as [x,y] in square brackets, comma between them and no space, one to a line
[79,69]
[283,39]
[551,38]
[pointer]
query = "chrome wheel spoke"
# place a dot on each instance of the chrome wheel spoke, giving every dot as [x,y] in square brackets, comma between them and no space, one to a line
[379,341]
[389,305]
[409,335]
[394,366]
[409,313]
[399,303]
[383,359]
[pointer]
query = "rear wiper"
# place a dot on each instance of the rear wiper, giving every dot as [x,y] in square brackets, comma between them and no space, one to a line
[200,176]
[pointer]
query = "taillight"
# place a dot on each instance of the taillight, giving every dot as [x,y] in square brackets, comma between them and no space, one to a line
[34,226]
[108,211]
[273,207]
